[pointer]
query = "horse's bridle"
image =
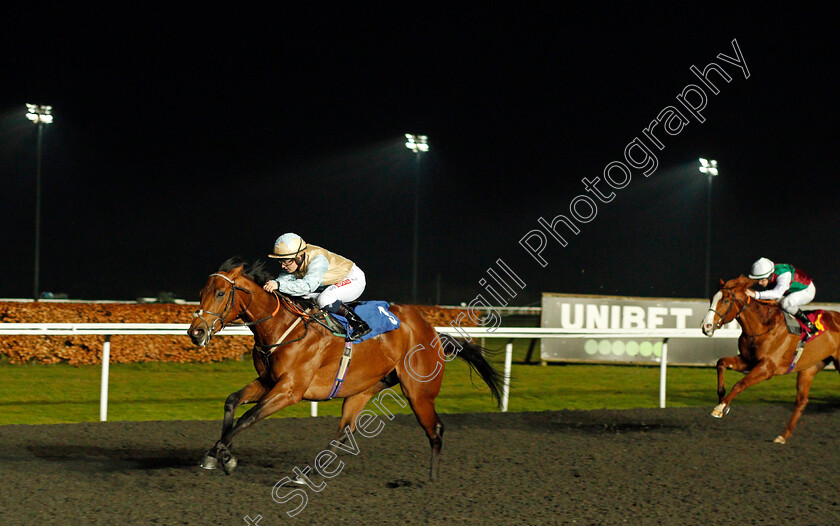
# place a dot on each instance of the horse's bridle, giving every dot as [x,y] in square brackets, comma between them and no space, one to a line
[721,323]
[220,317]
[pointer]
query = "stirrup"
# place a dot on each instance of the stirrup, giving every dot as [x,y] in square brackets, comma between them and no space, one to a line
[364,330]
[359,329]
[810,328]
[356,325]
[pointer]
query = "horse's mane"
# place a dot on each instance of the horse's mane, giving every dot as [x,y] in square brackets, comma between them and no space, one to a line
[768,311]
[740,283]
[256,271]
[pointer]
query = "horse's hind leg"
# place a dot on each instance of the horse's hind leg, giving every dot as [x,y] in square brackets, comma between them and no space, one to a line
[350,409]
[421,396]
[803,388]
[354,404]
[424,410]
[430,416]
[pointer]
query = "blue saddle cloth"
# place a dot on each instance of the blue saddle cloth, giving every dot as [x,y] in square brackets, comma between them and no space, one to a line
[376,315]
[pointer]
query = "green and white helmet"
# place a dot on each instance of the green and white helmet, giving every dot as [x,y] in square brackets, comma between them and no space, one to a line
[762,269]
[288,246]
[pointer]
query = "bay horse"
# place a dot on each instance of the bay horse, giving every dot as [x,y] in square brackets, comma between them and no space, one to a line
[766,348]
[299,361]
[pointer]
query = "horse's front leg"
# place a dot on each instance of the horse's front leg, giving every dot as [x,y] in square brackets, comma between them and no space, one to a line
[248,394]
[730,362]
[283,394]
[762,371]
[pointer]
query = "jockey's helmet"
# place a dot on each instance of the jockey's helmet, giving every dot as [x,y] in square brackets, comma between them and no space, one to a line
[761,269]
[288,246]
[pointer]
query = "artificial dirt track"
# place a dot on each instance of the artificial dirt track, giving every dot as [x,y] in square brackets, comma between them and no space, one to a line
[651,466]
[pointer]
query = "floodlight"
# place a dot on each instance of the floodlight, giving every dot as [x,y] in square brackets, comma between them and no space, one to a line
[708,167]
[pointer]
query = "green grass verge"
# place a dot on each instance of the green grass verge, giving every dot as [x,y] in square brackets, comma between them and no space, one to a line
[43,394]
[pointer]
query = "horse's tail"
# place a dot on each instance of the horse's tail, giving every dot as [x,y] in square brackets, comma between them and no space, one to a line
[474,355]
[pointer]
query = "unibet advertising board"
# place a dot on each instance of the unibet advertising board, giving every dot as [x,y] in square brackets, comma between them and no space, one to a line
[613,312]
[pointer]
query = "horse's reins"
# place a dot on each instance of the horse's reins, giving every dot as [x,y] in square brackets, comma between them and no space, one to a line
[266,350]
[737,314]
[721,323]
[229,306]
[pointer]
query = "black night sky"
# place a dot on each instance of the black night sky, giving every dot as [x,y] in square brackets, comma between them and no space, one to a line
[183,138]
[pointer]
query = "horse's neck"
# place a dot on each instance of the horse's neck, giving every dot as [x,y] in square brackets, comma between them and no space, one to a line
[264,306]
[758,318]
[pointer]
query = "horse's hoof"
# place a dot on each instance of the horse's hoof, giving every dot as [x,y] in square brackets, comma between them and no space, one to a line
[209,462]
[779,440]
[720,410]
[300,480]
[229,465]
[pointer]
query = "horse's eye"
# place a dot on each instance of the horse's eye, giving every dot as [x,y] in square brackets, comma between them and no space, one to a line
[220,293]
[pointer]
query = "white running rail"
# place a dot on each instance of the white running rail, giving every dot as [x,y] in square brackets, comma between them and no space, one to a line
[110,329]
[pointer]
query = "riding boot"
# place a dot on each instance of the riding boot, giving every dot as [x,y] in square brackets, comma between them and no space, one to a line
[809,325]
[360,328]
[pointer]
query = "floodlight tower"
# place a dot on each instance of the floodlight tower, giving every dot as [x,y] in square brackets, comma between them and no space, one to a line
[709,168]
[40,115]
[419,144]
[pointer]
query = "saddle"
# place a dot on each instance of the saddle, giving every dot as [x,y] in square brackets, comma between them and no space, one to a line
[322,317]
[794,326]
[375,313]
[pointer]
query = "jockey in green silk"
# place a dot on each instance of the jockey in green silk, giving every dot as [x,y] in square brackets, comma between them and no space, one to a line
[792,287]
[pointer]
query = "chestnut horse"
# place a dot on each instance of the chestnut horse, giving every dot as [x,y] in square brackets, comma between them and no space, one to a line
[299,361]
[766,348]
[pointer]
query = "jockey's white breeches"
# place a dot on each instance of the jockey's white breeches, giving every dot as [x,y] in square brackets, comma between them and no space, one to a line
[348,289]
[795,300]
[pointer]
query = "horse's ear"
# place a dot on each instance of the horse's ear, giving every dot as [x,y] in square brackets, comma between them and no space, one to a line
[721,283]
[235,273]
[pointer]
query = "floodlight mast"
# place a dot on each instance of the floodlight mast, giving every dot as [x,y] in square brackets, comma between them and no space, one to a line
[418,144]
[710,168]
[40,115]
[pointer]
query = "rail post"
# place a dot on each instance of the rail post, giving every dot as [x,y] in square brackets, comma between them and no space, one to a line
[103,392]
[506,385]
[663,367]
